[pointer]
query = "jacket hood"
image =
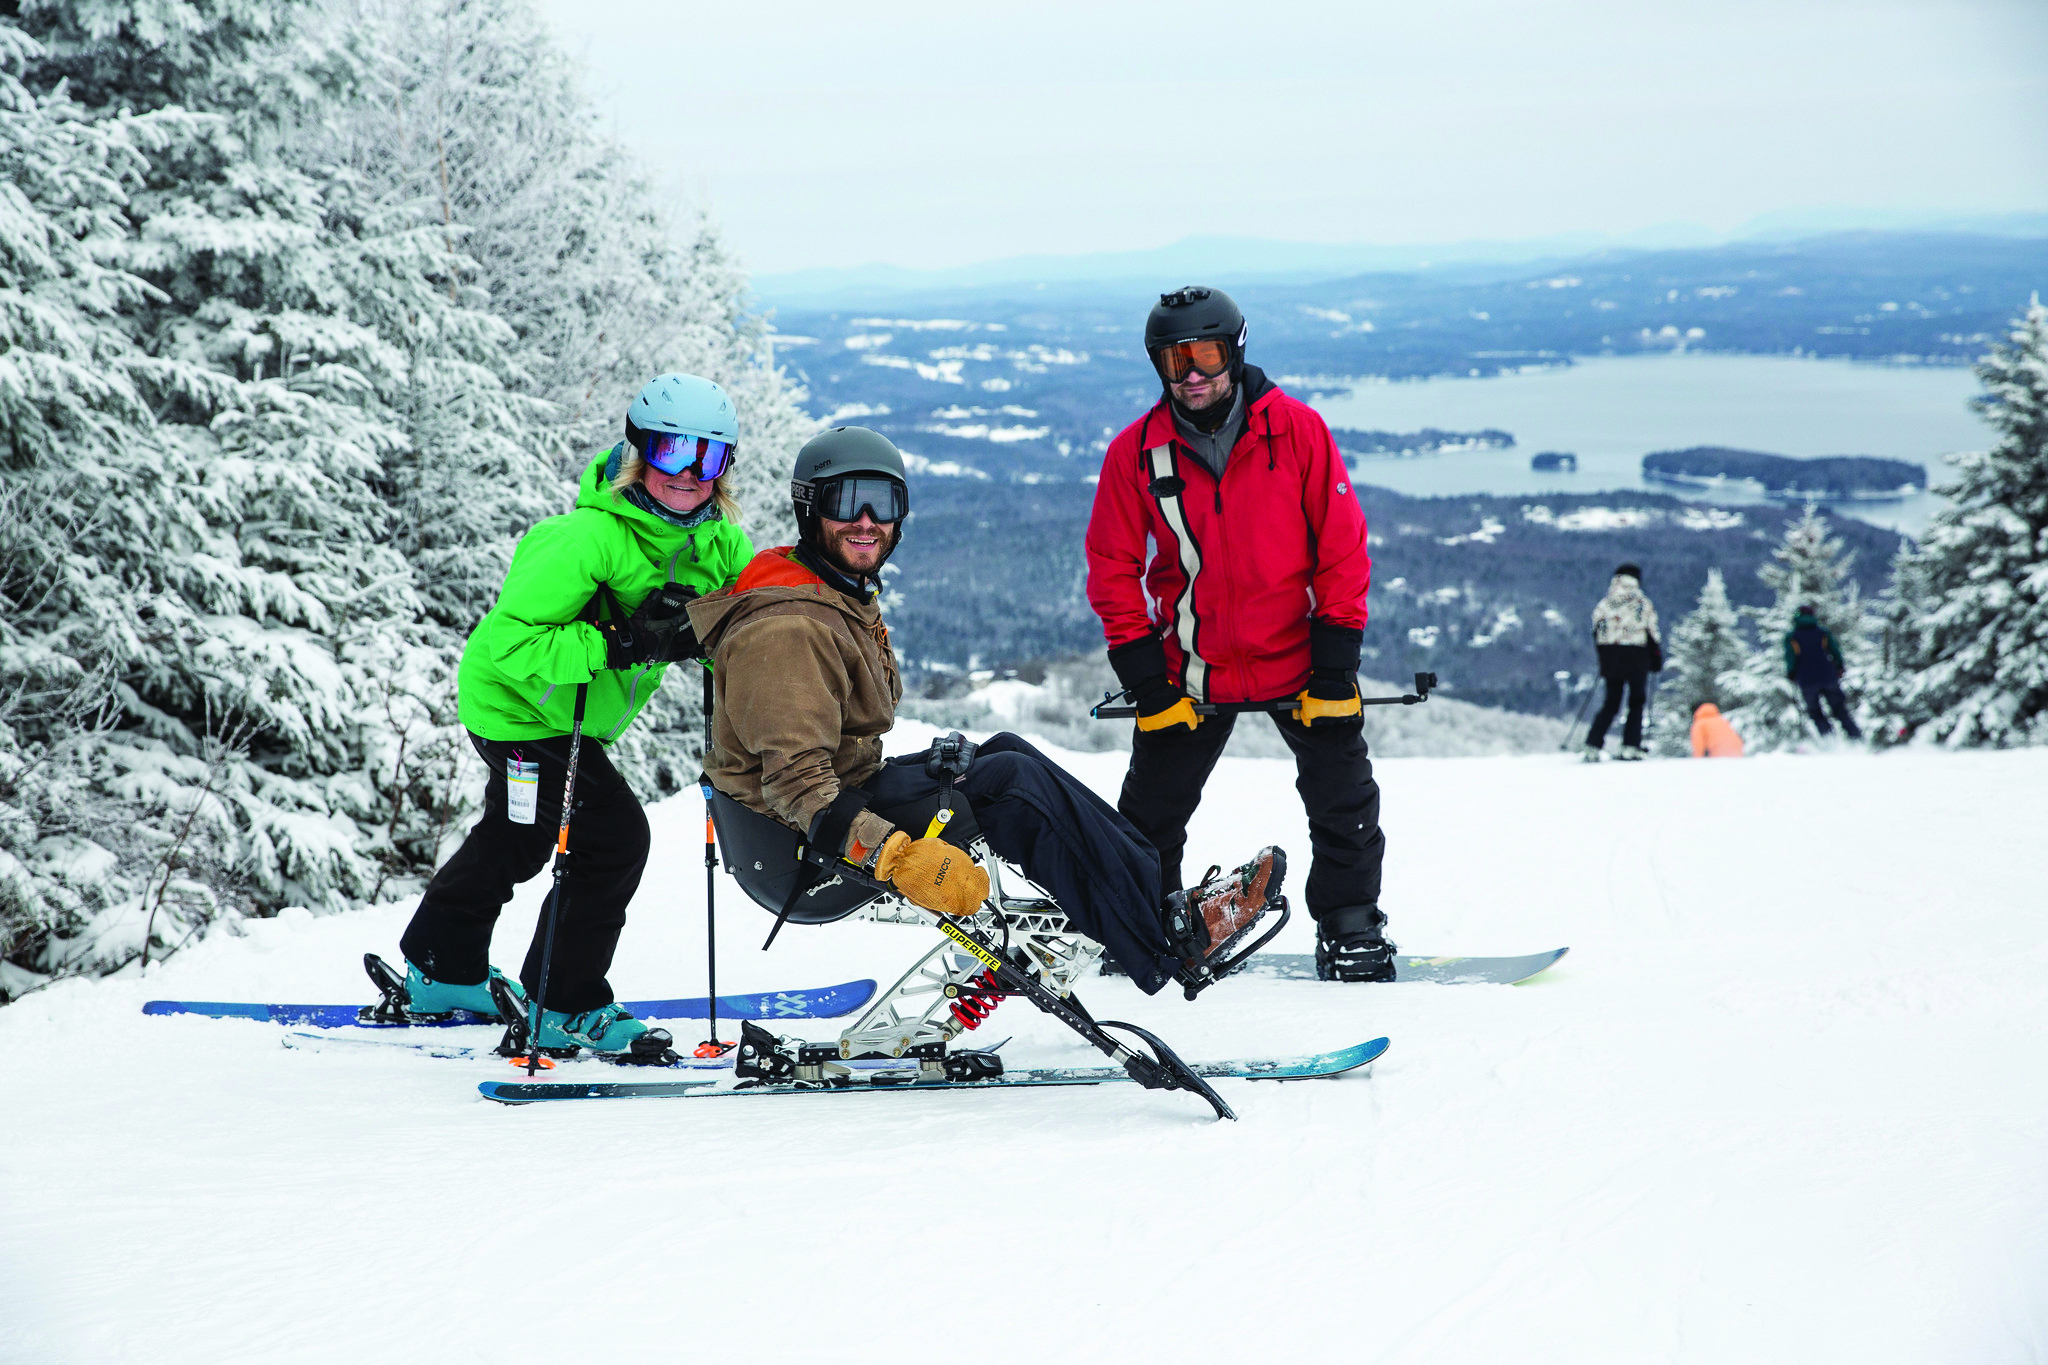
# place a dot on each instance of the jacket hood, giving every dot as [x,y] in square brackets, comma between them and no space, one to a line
[774,576]
[1707,711]
[595,491]
[1804,618]
[1623,587]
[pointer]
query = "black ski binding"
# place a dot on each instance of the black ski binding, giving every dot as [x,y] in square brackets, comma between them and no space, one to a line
[393,1005]
[761,1058]
[652,1048]
[1199,974]
[973,1064]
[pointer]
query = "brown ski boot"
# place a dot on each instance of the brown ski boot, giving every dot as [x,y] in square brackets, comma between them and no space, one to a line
[1204,923]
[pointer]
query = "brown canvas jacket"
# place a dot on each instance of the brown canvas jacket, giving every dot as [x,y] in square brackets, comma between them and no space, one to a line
[805,686]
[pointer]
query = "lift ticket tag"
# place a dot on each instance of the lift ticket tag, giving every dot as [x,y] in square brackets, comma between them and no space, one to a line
[522,791]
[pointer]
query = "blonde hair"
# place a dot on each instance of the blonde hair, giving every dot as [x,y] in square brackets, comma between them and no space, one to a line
[632,469]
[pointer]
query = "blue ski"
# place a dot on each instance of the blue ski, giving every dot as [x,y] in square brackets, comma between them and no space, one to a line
[819,1002]
[906,1078]
[363,1040]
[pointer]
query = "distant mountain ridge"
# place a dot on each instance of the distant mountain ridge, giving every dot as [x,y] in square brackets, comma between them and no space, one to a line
[1277,262]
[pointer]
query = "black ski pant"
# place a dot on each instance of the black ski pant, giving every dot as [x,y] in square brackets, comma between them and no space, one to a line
[1837,703]
[1039,817]
[1636,680]
[1333,773]
[449,938]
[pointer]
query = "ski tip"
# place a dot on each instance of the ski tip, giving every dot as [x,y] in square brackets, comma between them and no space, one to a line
[212,1009]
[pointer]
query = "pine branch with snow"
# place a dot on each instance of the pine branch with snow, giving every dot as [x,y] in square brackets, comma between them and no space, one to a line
[1968,609]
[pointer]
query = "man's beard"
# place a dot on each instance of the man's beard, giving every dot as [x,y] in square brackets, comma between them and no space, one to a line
[828,546]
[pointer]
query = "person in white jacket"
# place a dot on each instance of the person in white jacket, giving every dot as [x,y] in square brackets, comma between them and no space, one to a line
[1625,635]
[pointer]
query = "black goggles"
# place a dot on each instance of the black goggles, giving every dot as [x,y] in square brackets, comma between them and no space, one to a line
[844,499]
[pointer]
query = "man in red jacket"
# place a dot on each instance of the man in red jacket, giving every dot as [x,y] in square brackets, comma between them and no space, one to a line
[1254,591]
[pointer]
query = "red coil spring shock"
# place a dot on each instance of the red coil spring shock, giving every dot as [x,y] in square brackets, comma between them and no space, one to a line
[977,1000]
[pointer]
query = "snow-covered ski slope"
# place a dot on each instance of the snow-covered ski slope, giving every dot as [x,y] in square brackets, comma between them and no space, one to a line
[1784,1101]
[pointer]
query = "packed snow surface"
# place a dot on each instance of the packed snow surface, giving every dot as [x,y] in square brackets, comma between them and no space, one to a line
[1784,1101]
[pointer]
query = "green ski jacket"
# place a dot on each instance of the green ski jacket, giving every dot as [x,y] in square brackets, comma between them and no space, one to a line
[524,659]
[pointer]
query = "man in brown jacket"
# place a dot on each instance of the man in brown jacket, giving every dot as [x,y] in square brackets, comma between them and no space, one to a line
[806,686]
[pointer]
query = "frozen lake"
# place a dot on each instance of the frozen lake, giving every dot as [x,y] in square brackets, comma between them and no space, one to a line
[1611,411]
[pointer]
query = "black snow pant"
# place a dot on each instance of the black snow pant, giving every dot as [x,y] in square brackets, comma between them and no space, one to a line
[1837,703]
[1061,835]
[449,938]
[1333,773]
[1621,666]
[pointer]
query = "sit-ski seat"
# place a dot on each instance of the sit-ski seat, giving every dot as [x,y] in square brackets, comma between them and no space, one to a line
[761,854]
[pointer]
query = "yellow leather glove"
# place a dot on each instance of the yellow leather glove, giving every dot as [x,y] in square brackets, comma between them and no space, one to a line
[1310,708]
[932,873]
[1181,712]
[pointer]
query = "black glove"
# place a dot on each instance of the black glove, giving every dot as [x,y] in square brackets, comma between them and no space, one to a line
[1333,652]
[1140,666]
[657,632]
[625,647]
[665,619]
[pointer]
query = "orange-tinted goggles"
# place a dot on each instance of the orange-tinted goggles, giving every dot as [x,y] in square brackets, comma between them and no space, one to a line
[1210,357]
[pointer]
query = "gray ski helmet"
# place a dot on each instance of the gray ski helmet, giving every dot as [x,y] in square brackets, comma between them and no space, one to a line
[832,454]
[683,404]
[1192,313]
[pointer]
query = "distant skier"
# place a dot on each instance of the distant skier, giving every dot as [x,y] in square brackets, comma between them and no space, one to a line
[653,526]
[1625,637]
[1814,661]
[1712,735]
[807,686]
[1227,560]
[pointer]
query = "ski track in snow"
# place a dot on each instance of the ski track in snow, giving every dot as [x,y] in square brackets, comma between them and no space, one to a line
[1782,1102]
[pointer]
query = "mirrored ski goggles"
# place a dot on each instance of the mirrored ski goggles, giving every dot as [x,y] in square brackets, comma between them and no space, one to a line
[845,499]
[1210,357]
[702,456]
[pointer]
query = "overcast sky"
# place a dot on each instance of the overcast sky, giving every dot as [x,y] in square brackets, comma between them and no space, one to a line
[923,134]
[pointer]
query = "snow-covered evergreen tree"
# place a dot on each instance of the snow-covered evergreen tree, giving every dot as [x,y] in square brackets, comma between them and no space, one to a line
[477,113]
[1968,608]
[1808,566]
[254,532]
[306,313]
[66,399]
[1705,646]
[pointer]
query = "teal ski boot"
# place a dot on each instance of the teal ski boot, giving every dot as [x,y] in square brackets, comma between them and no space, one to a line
[424,995]
[609,1032]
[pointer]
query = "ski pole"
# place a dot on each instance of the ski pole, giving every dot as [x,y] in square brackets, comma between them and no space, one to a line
[711,1046]
[1567,742]
[553,910]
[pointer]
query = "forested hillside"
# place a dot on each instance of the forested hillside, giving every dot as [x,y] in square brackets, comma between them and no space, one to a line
[1494,595]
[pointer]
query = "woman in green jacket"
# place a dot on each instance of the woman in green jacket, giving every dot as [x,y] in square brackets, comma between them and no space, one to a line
[593,603]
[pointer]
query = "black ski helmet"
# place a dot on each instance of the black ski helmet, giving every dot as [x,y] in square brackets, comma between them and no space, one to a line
[1194,312]
[833,454]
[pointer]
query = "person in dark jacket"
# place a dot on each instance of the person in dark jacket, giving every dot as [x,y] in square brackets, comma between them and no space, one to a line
[1814,661]
[1227,560]
[1625,638]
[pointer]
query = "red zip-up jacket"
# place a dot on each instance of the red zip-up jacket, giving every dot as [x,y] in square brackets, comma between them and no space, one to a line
[1238,565]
